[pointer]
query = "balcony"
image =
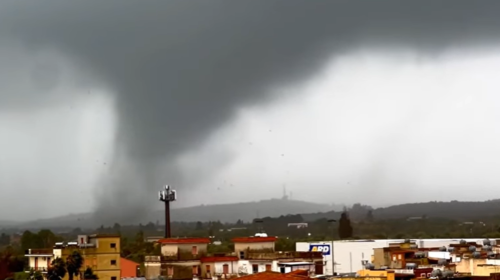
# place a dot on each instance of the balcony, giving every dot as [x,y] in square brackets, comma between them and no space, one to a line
[182,256]
[255,255]
[39,252]
[42,269]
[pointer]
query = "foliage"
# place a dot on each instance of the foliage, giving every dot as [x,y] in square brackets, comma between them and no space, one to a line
[35,275]
[89,274]
[57,270]
[43,239]
[74,263]
[345,228]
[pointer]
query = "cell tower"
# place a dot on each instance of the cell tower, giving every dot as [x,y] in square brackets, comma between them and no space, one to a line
[167,196]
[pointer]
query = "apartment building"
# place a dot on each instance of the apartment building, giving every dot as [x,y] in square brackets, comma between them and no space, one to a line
[100,252]
[187,258]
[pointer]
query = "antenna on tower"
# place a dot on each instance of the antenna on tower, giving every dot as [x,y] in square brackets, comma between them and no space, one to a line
[285,196]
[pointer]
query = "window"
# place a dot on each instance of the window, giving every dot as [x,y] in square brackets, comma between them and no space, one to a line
[194,250]
[255,268]
[268,267]
[112,245]
[170,271]
[399,257]
[195,270]
[113,277]
[225,269]
[208,268]
[242,255]
[113,262]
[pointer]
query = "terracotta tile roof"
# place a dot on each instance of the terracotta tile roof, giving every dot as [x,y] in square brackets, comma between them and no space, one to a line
[254,239]
[271,275]
[187,240]
[219,259]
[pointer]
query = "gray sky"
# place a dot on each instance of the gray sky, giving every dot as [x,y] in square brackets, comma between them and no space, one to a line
[340,101]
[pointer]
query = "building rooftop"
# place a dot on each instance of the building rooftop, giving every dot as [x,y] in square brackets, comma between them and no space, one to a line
[254,239]
[219,259]
[270,275]
[186,240]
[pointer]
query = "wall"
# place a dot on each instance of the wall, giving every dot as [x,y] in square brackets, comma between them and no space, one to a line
[169,249]
[469,265]
[372,273]
[486,270]
[253,246]
[153,270]
[42,263]
[174,249]
[218,267]
[128,268]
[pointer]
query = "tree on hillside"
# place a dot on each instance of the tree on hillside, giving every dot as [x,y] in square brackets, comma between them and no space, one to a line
[345,228]
[47,238]
[57,270]
[4,239]
[74,263]
[369,216]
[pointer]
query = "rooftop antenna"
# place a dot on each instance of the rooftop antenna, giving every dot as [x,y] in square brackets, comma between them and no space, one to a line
[167,196]
[285,196]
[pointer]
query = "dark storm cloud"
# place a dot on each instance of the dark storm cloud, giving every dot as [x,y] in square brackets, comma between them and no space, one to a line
[181,68]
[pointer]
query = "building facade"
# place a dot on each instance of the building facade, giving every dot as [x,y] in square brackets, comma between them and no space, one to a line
[187,258]
[351,255]
[101,253]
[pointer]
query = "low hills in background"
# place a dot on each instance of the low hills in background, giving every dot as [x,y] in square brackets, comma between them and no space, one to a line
[230,213]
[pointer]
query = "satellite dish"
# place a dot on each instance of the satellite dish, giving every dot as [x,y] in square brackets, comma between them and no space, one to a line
[472,248]
[442,249]
[451,249]
[420,254]
[436,273]
[448,273]
[487,248]
[491,254]
[463,242]
[369,266]
[413,246]
[486,242]
[411,265]
[476,255]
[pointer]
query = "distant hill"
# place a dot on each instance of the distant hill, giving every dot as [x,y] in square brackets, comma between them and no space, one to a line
[246,211]
[225,213]
[457,210]
[230,213]
[454,210]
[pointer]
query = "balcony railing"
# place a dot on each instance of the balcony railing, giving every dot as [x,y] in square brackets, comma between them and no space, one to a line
[47,252]
[42,269]
[181,256]
[283,255]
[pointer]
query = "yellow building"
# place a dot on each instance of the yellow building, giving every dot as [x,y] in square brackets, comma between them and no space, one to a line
[100,252]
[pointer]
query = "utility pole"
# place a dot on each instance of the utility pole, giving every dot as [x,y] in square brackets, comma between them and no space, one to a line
[167,196]
[332,221]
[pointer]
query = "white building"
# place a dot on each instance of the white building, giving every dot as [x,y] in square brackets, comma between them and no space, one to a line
[39,259]
[351,255]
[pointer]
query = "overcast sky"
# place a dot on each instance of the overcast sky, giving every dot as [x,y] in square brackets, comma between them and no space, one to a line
[383,103]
